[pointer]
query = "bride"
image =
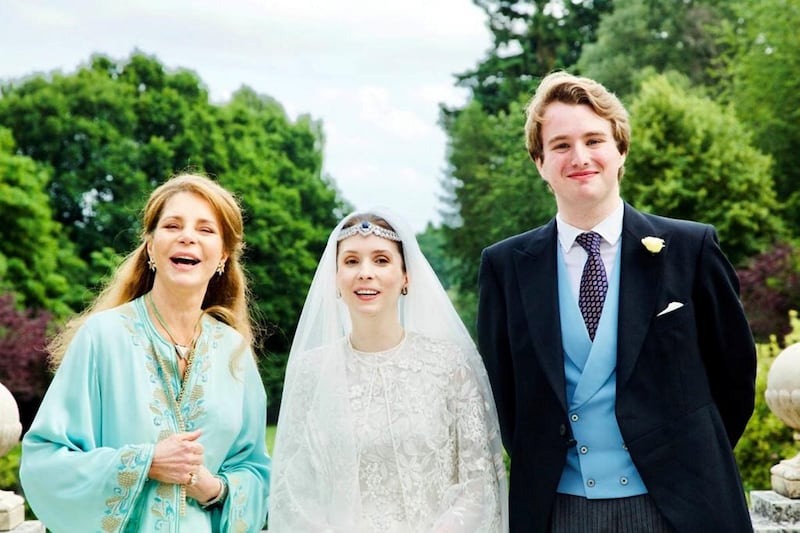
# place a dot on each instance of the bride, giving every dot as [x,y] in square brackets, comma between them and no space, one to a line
[387,422]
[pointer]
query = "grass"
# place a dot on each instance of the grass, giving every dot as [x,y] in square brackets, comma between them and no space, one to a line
[270,438]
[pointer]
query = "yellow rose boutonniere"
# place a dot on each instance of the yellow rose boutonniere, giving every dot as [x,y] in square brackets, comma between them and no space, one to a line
[653,244]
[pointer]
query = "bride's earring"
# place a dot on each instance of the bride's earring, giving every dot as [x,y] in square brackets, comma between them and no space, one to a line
[151,264]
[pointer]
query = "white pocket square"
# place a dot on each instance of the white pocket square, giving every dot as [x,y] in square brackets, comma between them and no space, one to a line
[670,308]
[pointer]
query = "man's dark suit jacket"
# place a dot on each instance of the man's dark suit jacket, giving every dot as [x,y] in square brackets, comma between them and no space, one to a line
[685,380]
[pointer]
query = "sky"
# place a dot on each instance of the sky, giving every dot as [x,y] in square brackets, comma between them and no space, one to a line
[374,72]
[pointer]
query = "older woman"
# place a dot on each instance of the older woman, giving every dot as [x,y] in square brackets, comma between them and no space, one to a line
[155,420]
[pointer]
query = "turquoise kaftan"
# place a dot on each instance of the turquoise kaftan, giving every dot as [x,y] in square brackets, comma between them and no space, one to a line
[86,457]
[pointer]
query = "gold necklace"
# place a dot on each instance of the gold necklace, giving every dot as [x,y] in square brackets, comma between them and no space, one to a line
[181,350]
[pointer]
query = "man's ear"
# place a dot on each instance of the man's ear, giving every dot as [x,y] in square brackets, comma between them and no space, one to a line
[539,161]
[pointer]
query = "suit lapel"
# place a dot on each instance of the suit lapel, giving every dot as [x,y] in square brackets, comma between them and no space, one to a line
[640,282]
[538,280]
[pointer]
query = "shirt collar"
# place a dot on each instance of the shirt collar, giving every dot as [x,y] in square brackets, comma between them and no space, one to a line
[610,228]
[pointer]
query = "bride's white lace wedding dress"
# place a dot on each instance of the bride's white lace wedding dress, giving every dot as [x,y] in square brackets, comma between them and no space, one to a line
[420,459]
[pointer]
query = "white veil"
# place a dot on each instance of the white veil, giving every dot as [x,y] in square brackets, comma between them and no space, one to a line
[315,468]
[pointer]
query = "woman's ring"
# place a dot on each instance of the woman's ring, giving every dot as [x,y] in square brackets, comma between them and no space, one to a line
[192,479]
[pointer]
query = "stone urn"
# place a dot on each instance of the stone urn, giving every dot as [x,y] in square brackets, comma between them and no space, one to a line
[12,507]
[783,399]
[10,428]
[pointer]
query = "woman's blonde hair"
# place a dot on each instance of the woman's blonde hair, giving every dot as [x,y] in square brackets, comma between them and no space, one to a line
[227,295]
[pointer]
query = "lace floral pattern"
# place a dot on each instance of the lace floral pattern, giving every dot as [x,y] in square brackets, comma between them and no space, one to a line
[422,444]
[414,421]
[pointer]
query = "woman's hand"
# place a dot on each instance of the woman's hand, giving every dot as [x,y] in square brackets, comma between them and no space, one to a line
[177,458]
[206,488]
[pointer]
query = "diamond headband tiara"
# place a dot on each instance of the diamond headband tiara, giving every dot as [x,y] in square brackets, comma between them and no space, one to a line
[364,228]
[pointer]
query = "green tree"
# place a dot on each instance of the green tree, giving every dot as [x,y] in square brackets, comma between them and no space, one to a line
[494,188]
[642,36]
[276,168]
[110,132]
[37,264]
[691,158]
[531,38]
[433,244]
[113,130]
[761,80]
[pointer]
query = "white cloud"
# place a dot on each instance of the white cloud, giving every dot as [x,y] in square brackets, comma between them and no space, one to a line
[373,186]
[443,94]
[378,109]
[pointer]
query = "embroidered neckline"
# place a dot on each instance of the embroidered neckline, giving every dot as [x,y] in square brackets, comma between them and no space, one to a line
[382,353]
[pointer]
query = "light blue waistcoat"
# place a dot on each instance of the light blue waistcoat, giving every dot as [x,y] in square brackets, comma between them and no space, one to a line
[599,466]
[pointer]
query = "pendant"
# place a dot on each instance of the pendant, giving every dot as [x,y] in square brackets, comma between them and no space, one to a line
[182,351]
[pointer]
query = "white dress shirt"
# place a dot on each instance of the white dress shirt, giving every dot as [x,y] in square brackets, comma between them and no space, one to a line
[610,229]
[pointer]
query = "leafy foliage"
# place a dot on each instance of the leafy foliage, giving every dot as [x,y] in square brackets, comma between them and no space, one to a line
[37,262]
[770,288]
[693,159]
[433,244]
[494,188]
[23,361]
[760,76]
[93,129]
[272,368]
[531,38]
[9,470]
[112,131]
[646,36]
[275,166]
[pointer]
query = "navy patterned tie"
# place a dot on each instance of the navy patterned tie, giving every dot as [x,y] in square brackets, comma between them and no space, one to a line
[594,283]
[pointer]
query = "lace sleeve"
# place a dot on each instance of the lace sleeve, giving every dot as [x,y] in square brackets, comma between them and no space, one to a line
[471,505]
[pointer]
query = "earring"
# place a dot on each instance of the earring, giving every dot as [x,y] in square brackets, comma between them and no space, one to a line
[221,268]
[404,290]
[151,264]
[338,293]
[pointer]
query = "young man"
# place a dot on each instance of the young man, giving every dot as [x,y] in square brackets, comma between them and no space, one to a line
[621,361]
